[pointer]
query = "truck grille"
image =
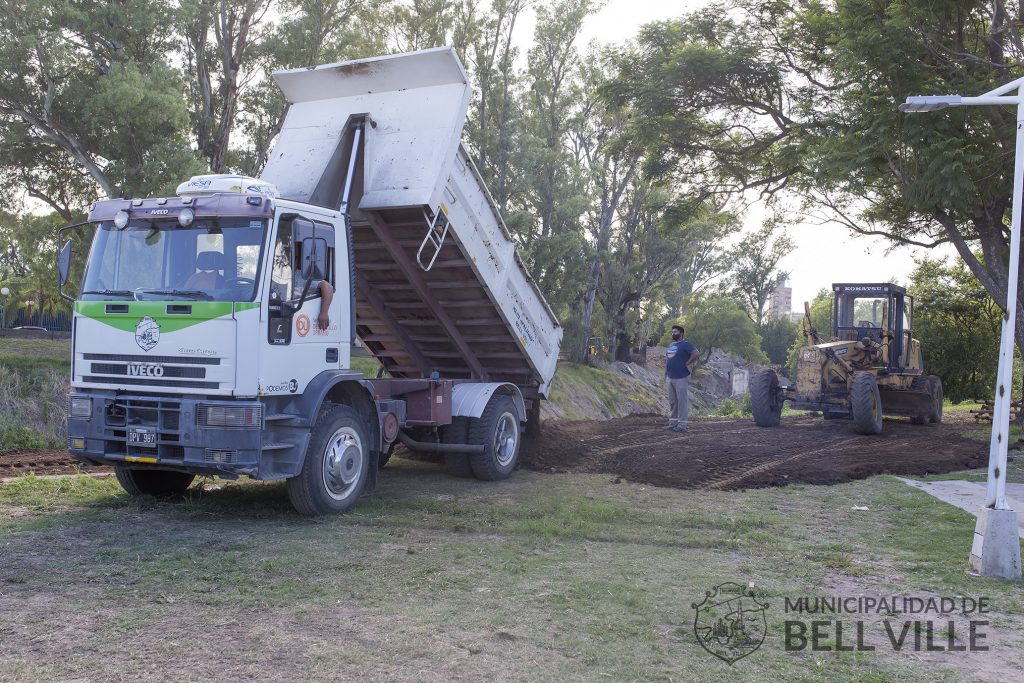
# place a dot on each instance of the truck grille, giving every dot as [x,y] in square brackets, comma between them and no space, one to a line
[162,416]
[178,360]
[183,372]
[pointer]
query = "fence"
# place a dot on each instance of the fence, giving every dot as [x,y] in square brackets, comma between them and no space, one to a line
[60,322]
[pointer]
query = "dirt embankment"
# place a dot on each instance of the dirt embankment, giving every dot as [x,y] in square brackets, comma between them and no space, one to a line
[736,454]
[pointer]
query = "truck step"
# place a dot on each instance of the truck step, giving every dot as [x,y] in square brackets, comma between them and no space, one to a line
[278,417]
[277,446]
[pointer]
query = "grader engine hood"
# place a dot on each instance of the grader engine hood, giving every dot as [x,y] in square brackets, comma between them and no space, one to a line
[159,346]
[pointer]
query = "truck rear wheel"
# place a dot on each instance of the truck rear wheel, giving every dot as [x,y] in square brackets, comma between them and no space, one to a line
[159,483]
[937,398]
[866,405]
[765,402]
[457,433]
[497,429]
[336,465]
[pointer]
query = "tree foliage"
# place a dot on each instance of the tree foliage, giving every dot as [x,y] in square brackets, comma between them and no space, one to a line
[958,326]
[755,270]
[777,336]
[714,321]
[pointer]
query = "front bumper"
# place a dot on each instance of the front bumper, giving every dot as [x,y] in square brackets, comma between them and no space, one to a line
[181,443]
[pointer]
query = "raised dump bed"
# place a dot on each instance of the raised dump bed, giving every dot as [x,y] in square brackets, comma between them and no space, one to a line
[439,285]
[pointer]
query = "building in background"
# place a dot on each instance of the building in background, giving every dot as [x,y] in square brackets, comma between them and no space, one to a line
[781,303]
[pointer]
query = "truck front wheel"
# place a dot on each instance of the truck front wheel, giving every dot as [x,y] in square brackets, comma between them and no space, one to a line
[866,405]
[336,465]
[159,483]
[497,430]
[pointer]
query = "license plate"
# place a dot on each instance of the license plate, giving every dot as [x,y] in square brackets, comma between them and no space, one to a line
[146,437]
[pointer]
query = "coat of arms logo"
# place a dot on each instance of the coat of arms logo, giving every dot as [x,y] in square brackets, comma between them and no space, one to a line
[730,623]
[147,333]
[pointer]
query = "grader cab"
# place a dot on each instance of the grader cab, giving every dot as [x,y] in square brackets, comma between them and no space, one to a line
[871,367]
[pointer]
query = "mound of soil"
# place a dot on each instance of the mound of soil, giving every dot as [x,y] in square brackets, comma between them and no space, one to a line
[736,454]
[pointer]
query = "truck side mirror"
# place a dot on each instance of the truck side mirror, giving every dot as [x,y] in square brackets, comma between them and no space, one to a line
[64,262]
[314,258]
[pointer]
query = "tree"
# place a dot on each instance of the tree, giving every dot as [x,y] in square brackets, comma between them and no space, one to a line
[221,39]
[88,102]
[27,266]
[602,146]
[958,326]
[755,274]
[777,336]
[715,321]
[644,252]
[547,215]
[704,256]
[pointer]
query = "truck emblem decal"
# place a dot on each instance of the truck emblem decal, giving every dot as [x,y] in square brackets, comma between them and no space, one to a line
[145,370]
[147,333]
[302,324]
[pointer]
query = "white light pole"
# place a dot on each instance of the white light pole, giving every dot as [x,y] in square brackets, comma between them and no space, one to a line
[996,549]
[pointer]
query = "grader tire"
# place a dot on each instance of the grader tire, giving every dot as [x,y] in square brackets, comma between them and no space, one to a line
[866,405]
[765,402]
[922,384]
[936,391]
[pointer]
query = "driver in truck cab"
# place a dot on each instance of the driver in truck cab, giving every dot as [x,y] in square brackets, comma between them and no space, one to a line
[282,275]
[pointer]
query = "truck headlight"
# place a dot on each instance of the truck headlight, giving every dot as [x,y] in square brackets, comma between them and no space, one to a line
[79,407]
[238,417]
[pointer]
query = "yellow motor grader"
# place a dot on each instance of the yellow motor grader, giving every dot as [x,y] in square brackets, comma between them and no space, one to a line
[870,367]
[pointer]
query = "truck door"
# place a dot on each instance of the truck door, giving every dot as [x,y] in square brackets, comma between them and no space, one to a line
[298,348]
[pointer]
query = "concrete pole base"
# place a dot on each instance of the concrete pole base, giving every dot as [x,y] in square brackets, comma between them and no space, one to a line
[996,548]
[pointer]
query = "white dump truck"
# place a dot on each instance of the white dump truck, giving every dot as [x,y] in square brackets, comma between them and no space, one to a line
[205,341]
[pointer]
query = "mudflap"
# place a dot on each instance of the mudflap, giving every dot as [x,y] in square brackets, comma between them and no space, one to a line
[905,402]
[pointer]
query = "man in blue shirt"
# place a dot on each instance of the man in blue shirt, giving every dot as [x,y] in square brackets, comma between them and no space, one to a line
[679,362]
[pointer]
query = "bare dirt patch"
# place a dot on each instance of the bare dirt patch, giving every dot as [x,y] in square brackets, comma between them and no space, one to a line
[736,454]
[38,462]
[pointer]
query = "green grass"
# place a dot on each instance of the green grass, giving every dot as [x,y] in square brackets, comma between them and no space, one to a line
[542,577]
[33,383]
[580,391]
[367,365]
[56,350]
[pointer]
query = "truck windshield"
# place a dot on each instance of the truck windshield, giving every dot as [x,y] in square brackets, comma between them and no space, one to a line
[213,259]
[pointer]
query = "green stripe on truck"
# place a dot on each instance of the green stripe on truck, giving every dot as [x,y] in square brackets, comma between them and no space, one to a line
[201,312]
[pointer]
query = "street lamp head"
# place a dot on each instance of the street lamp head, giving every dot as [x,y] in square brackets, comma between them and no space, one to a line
[5,291]
[922,103]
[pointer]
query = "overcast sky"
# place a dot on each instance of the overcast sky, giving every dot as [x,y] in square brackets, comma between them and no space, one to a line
[824,254]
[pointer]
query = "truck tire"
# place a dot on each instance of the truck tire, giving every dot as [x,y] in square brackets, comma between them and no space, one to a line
[336,465]
[937,398]
[497,429]
[457,433]
[924,384]
[866,405]
[158,483]
[764,398]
